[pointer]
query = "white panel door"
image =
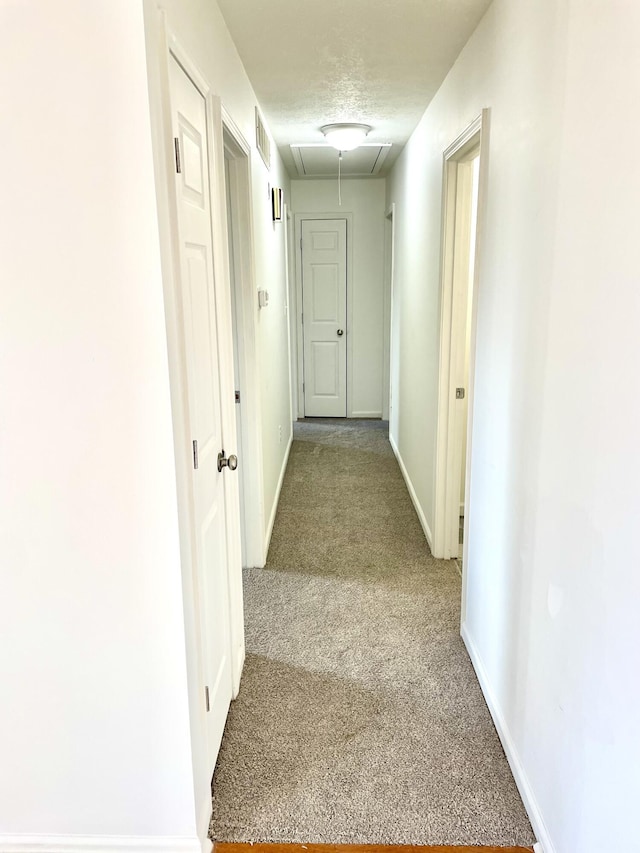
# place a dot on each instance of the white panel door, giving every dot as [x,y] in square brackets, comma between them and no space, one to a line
[324,317]
[203,381]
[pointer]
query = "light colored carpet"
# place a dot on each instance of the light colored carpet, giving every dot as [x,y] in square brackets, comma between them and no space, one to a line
[359,718]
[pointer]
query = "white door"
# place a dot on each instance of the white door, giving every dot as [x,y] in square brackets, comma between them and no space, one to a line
[324,317]
[201,346]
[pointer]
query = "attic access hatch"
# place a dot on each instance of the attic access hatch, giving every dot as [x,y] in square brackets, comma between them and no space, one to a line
[319,160]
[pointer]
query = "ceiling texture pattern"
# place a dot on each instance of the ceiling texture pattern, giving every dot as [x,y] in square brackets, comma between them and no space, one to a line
[379,62]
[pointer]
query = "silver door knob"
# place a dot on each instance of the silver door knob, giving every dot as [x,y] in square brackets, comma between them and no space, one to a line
[340,333]
[231,463]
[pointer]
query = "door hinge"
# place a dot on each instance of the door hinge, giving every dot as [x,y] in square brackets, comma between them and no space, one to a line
[302,318]
[459,393]
[176,145]
[237,396]
[303,387]
[195,453]
[301,242]
[206,698]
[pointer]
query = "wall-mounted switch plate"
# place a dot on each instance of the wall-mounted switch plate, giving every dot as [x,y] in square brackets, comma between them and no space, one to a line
[263,298]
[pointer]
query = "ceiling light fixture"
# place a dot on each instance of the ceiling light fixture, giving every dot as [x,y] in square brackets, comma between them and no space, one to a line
[345,137]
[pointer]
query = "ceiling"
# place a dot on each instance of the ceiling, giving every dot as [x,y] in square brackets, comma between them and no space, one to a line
[373,61]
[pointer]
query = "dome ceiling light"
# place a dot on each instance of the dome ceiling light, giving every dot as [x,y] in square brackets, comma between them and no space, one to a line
[346,136]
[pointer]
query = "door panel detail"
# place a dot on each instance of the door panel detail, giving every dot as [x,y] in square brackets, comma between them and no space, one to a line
[325,287]
[326,366]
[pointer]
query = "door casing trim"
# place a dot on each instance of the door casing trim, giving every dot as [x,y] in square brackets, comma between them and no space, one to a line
[476,133]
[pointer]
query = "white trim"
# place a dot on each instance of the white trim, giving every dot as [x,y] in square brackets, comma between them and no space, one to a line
[445,502]
[276,501]
[376,414]
[204,821]
[234,131]
[292,311]
[446,415]
[222,294]
[99,844]
[287,296]
[189,66]
[483,183]
[238,665]
[251,468]
[412,494]
[461,141]
[299,217]
[387,311]
[517,769]
[538,848]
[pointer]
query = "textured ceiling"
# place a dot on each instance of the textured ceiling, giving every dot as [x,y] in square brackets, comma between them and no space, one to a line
[374,61]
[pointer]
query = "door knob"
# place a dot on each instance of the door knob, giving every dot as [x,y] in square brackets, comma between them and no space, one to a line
[231,463]
[340,333]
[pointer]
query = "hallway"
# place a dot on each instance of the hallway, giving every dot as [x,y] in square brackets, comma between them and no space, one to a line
[359,718]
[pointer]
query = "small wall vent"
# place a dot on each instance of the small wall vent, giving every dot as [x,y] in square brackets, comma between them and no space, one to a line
[262,140]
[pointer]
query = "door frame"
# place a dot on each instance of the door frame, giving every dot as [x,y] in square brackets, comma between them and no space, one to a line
[162,43]
[290,268]
[243,289]
[446,497]
[299,340]
[387,311]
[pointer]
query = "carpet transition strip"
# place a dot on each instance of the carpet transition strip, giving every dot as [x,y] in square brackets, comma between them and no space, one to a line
[357,848]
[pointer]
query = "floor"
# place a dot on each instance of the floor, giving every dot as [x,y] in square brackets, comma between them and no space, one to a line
[359,718]
[361,848]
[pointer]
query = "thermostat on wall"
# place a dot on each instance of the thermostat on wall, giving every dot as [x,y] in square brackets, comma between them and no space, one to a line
[263,298]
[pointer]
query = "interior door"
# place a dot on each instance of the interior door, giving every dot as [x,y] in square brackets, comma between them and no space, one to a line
[201,349]
[324,317]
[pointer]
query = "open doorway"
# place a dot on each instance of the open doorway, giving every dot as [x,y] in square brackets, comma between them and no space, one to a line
[243,322]
[462,179]
[388,338]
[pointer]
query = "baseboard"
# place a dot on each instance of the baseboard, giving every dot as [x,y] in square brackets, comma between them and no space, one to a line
[276,501]
[239,666]
[412,494]
[366,415]
[543,845]
[99,844]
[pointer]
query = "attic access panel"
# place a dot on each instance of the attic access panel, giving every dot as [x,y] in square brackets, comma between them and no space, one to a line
[321,161]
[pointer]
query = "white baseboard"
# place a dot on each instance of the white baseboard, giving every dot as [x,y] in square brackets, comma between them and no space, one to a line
[412,494]
[543,845]
[99,844]
[239,666]
[276,501]
[366,415]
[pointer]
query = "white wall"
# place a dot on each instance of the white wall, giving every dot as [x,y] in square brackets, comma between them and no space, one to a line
[202,32]
[94,729]
[97,732]
[364,199]
[552,586]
